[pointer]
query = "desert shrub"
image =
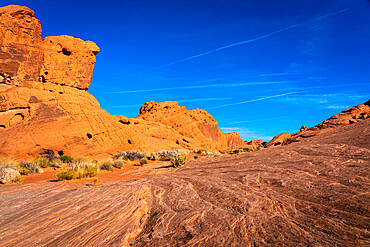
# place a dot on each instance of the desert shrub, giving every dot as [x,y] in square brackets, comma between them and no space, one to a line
[41,162]
[130,155]
[166,154]
[17,179]
[118,164]
[108,165]
[95,180]
[144,161]
[8,163]
[57,163]
[24,171]
[66,175]
[31,166]
[179,161]
[66,159]
[92,171]
[80,163]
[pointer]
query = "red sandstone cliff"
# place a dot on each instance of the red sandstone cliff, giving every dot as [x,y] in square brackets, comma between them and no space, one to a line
[44,105]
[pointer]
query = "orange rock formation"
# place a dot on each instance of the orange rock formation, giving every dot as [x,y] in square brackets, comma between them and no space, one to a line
[44,105]
[193,124]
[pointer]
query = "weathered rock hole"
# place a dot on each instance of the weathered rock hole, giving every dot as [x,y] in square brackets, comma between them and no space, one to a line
[42,78]
[60,92]
[185,140]
[89,135]
[177,142]
[16,119]
[46,73]
[129,141]
[60,153]
[66,52]
[2,126]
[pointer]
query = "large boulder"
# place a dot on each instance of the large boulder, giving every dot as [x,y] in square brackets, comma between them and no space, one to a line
[7,175]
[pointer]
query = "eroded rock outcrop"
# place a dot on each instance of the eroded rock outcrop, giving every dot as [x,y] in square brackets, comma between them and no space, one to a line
[20,46]
[194,124]
[346,117]
[278,140]
[68,61]
[44,105]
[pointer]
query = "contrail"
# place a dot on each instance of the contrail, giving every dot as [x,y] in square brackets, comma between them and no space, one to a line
[259,99]
[244,41]
[222,85]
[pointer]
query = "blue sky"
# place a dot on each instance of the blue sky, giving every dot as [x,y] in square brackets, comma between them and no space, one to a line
[259,67]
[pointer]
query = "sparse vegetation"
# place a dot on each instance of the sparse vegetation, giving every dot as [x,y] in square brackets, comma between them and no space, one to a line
[17,180]
[42,162]
[24,171]
[66,159]
[118,164]
[30,166]
[8,163]
[66,175]
[179,161]
[108,165]
[144,161]
[245,149]
[130,155]
[95,180]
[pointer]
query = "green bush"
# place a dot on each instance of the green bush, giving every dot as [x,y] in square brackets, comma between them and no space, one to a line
[66,175]
[66,159]
[144,161]
[24,171]
[179,161]
[92,171]
[108,165]
[17,180]
[42,162]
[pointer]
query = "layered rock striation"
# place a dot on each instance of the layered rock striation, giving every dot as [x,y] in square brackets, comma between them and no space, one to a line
[44,104]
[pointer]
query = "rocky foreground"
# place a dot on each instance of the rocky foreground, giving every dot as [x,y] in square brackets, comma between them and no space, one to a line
[311,193]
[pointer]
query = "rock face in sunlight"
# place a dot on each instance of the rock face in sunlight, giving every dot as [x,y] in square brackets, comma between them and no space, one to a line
[44,105]
[196,125]
[68,61]
[20,46]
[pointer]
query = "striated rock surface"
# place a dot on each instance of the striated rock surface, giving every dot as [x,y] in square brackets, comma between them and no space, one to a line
[346,117]
[310,193]
[196,125]
[44,105]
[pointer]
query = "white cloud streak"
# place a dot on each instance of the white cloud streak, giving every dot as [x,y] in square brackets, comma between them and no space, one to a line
[259,99]
[245,41]
[220,85]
